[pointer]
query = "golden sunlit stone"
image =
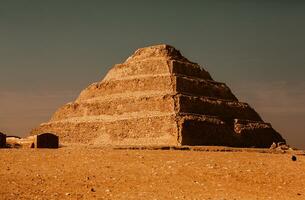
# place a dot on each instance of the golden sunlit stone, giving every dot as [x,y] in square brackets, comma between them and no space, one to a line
[158,97]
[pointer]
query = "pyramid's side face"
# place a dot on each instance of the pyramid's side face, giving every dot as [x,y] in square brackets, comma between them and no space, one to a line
[158,97]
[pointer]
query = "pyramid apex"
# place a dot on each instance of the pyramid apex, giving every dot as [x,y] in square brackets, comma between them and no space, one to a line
[161,50]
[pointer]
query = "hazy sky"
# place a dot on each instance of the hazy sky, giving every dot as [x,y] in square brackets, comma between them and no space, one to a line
[51,50]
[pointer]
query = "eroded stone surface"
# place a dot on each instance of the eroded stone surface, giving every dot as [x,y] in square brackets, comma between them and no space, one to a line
[158,97]
[17,142]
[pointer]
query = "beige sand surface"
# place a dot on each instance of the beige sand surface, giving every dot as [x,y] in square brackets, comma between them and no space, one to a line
[80,172]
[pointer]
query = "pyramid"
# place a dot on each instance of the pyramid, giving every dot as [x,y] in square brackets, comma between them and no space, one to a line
[158,97]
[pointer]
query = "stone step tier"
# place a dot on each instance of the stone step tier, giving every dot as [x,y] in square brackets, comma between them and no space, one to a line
[164,129]
[229,110]
[161,82]
[156,66]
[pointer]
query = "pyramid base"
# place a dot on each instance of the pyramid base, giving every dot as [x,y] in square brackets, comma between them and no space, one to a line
[200,130]
[168,130]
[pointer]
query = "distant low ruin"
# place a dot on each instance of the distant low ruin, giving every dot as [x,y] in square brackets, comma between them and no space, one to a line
[44,140]
[158,97]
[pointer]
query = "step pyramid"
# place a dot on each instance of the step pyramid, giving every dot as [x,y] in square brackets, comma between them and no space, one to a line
[158,97]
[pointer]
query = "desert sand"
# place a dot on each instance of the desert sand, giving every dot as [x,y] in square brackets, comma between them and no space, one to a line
[90,172]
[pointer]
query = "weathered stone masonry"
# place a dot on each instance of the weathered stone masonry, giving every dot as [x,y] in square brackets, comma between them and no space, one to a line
[158,97]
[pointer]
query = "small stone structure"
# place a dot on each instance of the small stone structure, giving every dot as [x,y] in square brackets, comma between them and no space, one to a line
[159,97]
[2,140]
[46,140]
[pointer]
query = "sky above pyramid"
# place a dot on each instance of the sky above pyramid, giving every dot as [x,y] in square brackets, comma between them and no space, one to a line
[51,50]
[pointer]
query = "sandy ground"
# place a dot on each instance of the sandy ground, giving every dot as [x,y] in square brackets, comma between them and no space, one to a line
[79,172]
